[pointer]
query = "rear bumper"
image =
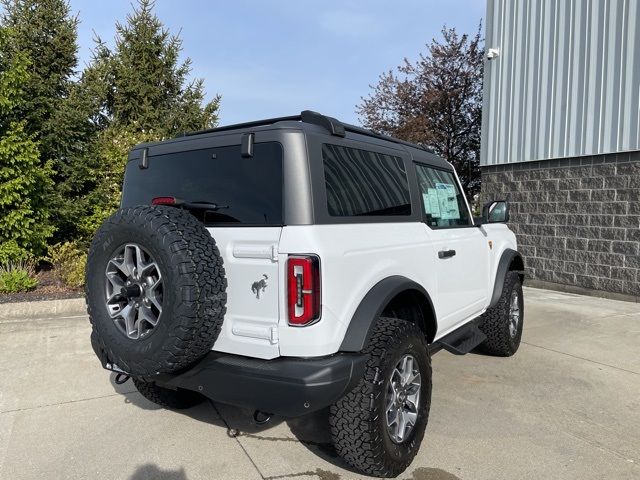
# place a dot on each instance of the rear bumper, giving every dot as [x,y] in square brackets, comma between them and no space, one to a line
[284,386]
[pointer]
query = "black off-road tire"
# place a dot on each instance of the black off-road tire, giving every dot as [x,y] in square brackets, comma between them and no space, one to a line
[194,290]
[358,420]
[494,323]
[167,398]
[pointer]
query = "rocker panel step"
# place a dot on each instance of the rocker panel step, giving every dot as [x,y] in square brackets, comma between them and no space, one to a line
[463,340]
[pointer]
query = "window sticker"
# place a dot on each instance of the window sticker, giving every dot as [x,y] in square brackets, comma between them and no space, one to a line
[447,201]
[431,204]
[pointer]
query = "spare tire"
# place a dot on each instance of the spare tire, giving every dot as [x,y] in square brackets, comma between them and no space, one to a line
[155,290]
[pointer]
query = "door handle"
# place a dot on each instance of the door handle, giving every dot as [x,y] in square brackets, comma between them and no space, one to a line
[446,253]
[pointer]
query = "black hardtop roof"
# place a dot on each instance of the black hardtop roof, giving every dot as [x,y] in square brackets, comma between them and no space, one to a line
[309,121]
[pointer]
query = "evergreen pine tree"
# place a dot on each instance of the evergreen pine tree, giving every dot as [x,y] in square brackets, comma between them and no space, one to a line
[46,32]
[145,94]
[148,86]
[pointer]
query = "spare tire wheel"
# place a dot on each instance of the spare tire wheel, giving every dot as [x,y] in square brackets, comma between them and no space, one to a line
[155,290]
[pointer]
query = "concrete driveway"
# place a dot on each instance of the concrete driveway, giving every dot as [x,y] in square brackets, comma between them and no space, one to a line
[567,406]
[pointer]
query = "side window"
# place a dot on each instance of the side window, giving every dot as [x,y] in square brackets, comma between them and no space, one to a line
[363,183]
[442,201]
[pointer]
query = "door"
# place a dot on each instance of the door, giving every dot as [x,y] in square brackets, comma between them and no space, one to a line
[462,266]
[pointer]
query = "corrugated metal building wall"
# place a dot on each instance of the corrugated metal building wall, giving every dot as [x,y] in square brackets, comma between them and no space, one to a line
[566,82]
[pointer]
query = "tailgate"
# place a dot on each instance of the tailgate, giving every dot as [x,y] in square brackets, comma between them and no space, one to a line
[251,264]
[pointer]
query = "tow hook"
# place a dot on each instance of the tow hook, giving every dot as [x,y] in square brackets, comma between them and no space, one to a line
[121,378]
[261,418]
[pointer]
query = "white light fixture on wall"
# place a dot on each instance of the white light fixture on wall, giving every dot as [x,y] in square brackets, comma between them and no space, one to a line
[493,53]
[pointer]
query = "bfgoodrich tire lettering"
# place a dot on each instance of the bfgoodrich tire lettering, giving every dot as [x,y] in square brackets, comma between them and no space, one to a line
[194,289]
[501,340]
[358,420]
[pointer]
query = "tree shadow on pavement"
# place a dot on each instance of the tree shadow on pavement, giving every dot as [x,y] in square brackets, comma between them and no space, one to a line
[152,472]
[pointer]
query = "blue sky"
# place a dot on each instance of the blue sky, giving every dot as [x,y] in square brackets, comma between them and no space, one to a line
[278,57]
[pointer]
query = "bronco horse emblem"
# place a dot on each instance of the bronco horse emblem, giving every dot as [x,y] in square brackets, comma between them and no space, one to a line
[259,286]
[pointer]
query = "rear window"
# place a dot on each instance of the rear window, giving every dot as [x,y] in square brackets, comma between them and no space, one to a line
[364,183]
[248,191]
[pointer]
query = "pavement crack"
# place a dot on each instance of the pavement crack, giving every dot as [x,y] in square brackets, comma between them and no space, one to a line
[581,358]
[226,424]
[310,443]
[603,447]
[66,403]
[7,321]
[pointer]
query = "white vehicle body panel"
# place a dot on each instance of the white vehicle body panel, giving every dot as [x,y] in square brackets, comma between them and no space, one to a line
[353,258]
[462,279]
[250,325]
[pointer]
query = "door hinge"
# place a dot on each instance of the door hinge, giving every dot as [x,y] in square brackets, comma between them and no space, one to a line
[274,335]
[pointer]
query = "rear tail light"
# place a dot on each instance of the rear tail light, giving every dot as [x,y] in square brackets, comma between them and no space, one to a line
[165,201]
[303,285]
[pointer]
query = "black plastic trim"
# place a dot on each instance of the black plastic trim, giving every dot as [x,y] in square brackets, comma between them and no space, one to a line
[246,144]
[284,386]
[371,307]
[503,267]
[144,159]
[370,133]
[335,127]
[462,340]
[238,126]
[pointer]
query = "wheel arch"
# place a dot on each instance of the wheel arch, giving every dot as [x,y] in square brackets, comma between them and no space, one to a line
[510,261]
[389,296]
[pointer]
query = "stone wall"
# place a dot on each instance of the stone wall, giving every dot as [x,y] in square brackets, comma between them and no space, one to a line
[577,220]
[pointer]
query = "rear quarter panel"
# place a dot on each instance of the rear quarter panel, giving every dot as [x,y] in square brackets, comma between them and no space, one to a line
[354,257]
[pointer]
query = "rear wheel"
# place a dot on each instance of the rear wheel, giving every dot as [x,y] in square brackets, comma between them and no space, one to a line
[378,426]
[175,399]
[503,323]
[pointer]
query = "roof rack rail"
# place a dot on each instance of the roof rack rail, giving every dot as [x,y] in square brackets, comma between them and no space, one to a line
[369,133]
[335,127]
[332,125]
[236,126]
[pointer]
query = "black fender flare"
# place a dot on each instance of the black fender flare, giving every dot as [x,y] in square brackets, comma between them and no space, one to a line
[371,307]
[507,257]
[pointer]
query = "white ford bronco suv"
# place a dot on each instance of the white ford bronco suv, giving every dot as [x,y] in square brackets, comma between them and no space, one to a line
[299,263]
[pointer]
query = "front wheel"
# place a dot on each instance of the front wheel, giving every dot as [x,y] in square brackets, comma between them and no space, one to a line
[378,427]
[503,323]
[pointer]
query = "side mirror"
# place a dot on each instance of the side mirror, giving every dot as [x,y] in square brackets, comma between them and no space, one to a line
[494,212]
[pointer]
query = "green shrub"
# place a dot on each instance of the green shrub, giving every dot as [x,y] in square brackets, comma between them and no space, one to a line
[10,252]
[17,276]
[69,261]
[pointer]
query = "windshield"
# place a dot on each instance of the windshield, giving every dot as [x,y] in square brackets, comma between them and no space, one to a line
[248,190]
